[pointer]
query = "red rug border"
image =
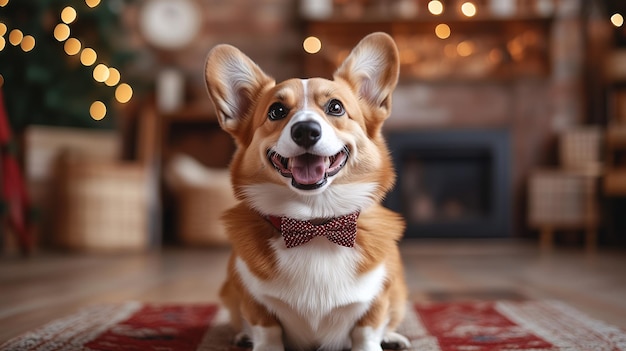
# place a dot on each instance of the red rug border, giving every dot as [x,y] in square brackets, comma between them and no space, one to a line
[555,325]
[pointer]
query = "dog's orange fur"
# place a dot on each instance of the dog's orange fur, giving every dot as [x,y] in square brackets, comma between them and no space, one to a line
[379,229]
[250,233]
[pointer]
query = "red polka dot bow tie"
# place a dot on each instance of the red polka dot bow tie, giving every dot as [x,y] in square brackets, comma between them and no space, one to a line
[340,230]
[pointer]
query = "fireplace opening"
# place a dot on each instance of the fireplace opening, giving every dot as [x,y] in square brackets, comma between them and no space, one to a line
[442,186]
[451,183]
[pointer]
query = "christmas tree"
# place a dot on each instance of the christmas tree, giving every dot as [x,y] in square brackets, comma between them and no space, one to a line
[59,62]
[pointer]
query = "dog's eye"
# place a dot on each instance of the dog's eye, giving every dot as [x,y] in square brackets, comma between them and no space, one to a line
[335,108]
[277,111]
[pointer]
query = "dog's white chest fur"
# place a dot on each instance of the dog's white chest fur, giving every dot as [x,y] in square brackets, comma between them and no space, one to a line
[317,293]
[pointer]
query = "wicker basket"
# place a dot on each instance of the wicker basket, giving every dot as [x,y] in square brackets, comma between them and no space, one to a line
[199,214]
[581,149]
[102,206]
[202,195]
[562,199]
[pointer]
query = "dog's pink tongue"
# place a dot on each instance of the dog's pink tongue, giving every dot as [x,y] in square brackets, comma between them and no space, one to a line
[308,169]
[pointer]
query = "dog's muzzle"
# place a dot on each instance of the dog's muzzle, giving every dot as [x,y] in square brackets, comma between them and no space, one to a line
[308,171]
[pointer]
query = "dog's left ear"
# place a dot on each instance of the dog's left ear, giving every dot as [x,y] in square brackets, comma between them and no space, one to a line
[372,70]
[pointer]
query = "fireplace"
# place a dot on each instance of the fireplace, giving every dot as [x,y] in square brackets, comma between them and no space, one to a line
[452,183]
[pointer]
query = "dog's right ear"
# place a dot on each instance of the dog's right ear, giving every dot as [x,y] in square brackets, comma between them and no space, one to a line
[234,82]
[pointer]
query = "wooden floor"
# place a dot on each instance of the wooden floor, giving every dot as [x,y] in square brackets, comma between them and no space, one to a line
[48,286]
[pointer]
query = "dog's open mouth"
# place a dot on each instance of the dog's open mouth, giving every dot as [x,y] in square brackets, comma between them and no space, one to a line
[308,171]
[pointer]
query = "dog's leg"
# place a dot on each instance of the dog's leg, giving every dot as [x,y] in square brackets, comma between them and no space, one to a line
[262,331]
[375,330]
[397,308]
[367,338]
[267,338]
[368,333]
[370,339]
[395,341]
[391,339]
[398,295]
[231,300]
[267,334]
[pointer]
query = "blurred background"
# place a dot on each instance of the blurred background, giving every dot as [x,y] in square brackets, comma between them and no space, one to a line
[509,120]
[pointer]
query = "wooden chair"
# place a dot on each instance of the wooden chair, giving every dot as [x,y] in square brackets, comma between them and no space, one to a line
[568,197]
[562,200]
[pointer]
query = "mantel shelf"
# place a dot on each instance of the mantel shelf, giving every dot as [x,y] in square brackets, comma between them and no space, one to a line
[429,20]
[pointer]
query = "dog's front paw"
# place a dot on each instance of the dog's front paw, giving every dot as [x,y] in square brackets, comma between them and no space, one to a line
[267,339]
[366,339]
[268,347]
[367,346]
[243,340]
[395,341]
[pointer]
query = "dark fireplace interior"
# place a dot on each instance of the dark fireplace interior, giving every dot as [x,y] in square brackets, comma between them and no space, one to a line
[452,183]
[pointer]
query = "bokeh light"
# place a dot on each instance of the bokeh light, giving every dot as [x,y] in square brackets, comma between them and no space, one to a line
[468,9]
[61,32]
[617,20]
[28,43]
[72,46]
[68,15]
[312,45]
[98,110]
[92,3]
[88,56]
[442,31]
[465,48]
[435,7]
[101,73]
[15,37]
[114,77]
[123,93]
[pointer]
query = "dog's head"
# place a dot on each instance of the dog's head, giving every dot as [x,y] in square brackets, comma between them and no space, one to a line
[308,148]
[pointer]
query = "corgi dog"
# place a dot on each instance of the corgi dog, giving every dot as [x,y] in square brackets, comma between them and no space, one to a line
[315,263]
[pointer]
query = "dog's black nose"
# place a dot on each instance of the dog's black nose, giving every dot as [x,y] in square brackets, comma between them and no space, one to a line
[306,133]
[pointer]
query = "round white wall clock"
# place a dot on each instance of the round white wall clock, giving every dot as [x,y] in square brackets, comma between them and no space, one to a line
[170,24]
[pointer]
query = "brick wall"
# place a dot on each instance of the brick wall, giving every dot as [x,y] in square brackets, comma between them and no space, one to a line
[534,110]
[265,30]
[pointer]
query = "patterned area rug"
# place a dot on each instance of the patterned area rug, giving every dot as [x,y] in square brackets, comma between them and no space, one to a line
[449,326]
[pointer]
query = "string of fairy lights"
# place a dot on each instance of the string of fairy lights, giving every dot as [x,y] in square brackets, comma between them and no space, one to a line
[102,73]
[313,45]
